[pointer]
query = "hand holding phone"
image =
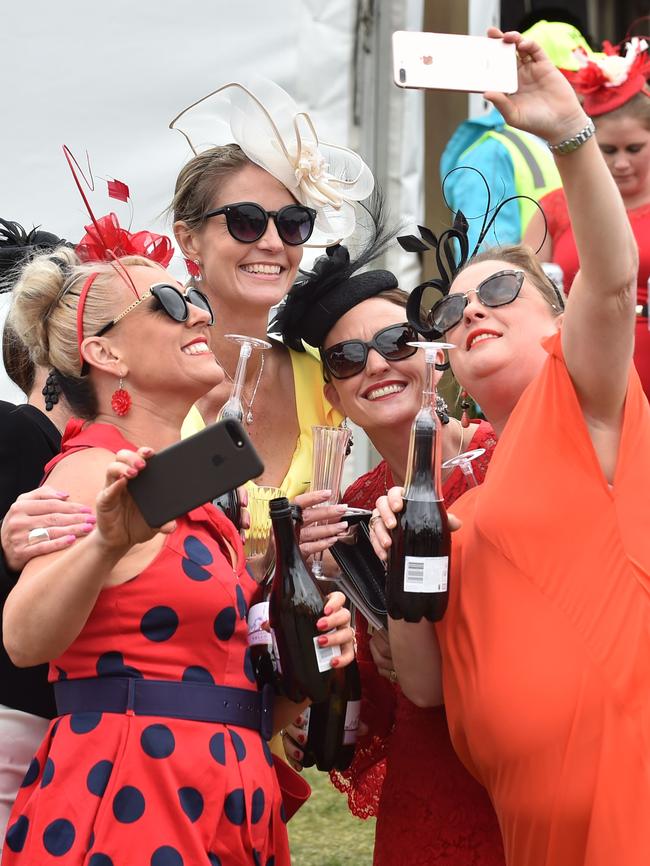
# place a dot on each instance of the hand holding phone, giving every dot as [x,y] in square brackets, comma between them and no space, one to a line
[446,61]
[195,471]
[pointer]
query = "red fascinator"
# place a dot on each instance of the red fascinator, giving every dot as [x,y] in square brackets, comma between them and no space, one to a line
[609,80]
[106,234]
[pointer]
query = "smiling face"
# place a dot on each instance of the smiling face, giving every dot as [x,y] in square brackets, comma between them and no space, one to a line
[159,354]
[625,143]
[236,273]
[385,393]
[498,349]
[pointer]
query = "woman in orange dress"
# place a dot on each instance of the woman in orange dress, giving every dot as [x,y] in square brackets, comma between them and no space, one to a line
[545,646]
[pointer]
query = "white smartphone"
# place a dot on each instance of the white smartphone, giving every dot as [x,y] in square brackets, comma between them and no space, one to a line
[447,61]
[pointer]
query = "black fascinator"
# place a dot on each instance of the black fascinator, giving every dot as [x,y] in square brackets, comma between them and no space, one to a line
[452,254]
[319,297]
[17,245]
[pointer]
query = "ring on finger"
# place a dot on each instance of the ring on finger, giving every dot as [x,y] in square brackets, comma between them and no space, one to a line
[373,520]
[39,533]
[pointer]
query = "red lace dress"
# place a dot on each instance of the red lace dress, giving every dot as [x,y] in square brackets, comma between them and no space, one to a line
[565,254]
[114,789]
[429,809]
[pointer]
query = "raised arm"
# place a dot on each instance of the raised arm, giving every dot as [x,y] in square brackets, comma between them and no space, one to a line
[598,329]
[55,594]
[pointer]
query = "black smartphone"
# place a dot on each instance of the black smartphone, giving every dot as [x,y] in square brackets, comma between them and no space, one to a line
[194,471]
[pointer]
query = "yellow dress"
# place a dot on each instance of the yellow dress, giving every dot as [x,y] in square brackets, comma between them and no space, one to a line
[313,409]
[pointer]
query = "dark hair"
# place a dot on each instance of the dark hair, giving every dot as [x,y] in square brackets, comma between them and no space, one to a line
[17,362]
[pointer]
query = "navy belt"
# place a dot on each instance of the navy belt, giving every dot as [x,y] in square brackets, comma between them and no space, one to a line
[199,702]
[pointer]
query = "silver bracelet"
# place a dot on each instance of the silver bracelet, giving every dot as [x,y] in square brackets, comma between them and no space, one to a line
[571,144]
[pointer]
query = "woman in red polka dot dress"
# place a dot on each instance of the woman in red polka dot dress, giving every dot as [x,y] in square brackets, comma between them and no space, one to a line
[158,756]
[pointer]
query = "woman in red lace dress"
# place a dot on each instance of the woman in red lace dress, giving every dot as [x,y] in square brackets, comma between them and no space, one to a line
[621,113]
[429,809]
[159,755]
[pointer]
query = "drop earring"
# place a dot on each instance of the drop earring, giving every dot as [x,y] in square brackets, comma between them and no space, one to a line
[51,390]
[120,400]
[464,405]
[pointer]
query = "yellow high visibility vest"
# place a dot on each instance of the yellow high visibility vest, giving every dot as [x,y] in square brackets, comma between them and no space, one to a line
[535,172]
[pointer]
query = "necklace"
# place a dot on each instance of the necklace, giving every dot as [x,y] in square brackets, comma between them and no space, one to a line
[249,403]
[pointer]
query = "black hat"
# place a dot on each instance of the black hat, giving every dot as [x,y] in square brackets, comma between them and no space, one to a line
[319,298]
[17,245]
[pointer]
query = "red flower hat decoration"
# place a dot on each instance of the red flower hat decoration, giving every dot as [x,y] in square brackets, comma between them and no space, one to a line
[609,80]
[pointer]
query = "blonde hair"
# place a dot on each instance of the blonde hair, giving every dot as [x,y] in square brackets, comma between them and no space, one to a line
[43,315]
[200,178]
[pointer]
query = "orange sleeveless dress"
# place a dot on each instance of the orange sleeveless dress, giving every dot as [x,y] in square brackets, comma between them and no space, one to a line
[546,641]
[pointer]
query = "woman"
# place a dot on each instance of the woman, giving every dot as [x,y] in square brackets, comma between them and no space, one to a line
[545,641]
[168,772]
[429,809]
[616,96]
[241,216]
[26,699]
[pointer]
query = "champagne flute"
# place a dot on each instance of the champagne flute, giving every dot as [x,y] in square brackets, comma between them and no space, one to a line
[330,446]
[465,461]
[234,408]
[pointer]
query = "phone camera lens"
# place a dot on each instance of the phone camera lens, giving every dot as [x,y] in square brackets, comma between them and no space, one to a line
[402,75]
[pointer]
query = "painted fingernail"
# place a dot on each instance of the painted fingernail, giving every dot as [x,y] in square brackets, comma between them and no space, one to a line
[147,452]
[85,509]
[131,472]
[62,494]
[70,538]
[297,754]
[91,519]
[140,464]
[323,640]
[321,624]
[301,738]
[327,610]
[335,662]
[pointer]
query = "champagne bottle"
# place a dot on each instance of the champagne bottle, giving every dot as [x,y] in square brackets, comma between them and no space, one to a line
[331,726]
[295,605]
[417,584]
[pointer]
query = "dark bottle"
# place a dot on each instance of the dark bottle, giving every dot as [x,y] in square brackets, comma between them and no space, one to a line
[332,725]
[295,606]
[417,583]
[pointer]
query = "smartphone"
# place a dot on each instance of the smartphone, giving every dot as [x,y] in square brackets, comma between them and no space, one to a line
[194,471]
[446,61]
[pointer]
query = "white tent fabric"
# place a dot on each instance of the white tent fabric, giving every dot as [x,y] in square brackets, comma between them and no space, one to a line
[107,80]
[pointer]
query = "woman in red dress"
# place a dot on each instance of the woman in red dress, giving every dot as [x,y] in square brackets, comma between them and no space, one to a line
[159,754]
[429,809]
[617,97]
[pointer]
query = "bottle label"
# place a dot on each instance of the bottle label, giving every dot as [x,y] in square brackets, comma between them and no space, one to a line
[351,724]
[425,573]
[259,631]
[324,654]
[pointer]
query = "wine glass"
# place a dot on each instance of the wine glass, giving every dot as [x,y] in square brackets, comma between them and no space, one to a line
[259,534]
[465,460]
[330,446]
[233,408]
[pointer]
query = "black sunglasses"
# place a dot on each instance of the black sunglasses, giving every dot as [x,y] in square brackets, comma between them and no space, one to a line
[171,300]
[247,221]
[496,291]
[348,358]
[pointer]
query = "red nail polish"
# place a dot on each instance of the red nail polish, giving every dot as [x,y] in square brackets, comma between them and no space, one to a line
[335,662]
[297,754]
[323,640]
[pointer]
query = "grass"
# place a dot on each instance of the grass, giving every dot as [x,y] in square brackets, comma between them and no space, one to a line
[324,832]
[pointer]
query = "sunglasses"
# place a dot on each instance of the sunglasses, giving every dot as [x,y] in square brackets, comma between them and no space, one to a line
[171,300]
[348,358]
[496,291]
[247,222]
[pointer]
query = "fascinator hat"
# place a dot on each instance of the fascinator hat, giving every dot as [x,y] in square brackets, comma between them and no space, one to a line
[607,81]
[267,125]
[452,252]
[335,285]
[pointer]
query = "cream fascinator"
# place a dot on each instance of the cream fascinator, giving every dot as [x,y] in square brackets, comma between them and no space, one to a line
[266,123]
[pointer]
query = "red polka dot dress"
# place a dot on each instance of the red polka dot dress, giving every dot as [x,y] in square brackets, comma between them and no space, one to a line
[111,789]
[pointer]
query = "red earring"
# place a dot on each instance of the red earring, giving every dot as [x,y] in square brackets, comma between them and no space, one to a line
[464,405]
[121,400]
